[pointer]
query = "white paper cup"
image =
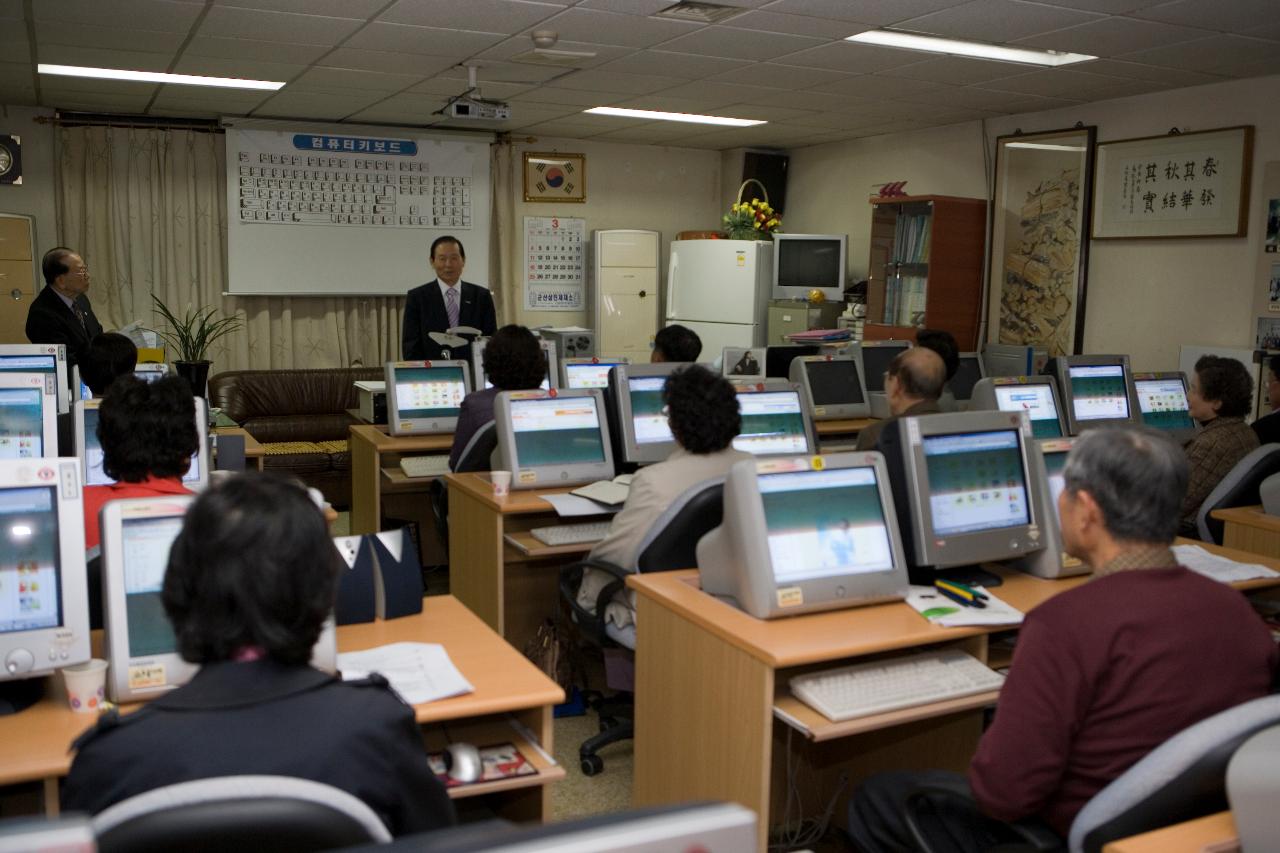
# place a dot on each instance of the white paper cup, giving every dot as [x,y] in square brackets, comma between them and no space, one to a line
[501,483]
[86,685]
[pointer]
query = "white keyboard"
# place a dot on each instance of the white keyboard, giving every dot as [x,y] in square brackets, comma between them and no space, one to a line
[887,685]
[425,466]
[571,534]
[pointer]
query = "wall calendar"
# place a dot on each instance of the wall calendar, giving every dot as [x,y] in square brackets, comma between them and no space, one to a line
[555,265]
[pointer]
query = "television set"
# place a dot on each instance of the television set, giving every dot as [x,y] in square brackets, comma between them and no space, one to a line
[40,358]
[803,263]
[1097,390]
[640,427]
[1162,401]
[425,397]
[775,419]
[89,449]
[553,438]
[1035,395]
[805,533]
[834,385]
[28,416]
[593,372]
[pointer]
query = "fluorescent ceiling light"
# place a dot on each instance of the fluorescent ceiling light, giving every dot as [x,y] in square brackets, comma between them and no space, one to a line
[1044,146]
[661,116]
[981,50]
[157,77]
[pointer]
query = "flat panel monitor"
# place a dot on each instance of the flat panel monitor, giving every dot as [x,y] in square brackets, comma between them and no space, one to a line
[28,416]
[1035,395]
[967,374]
[963,487]
[578,373]
[834,384]
[1162,400]
[425,397]
[803,263]
[1013,360]
[553,438]
[550,378]
[1097,390]
[775,419]
[641,422]
[44,601]
[89,449]
[1048,460]
[804,534]
[40,358]
[777,360]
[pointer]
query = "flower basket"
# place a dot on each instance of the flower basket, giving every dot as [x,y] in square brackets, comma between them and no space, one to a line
[751,220]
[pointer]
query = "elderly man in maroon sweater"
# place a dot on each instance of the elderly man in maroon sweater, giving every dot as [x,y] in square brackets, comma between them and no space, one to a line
[1103,673]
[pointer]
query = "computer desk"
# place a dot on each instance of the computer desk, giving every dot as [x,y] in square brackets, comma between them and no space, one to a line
[375,472]
[1193,836]
[715,721]
[847,428]
[1250,529]
[513,701]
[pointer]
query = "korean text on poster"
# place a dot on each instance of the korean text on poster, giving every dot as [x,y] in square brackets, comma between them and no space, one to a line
[555,263]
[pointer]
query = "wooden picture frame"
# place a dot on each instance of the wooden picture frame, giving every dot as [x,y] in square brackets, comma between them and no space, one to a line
[551,176]
[1174,185]
[1040,239]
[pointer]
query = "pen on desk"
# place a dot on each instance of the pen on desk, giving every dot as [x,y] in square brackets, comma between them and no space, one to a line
[964,589]
[966,598]
[955,596]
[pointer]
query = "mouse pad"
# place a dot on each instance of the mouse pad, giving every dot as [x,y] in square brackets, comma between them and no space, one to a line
[501,761]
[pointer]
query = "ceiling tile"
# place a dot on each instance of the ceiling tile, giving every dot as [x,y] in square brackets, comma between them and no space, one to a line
[21,96]
[1125,89]
[1110,7]
[450,86]
[630,7]
[1154,73]
[876,13]
[404,108]
[154,15]
[490,16]
[1113,36]
[796,25]
[95,103]
[997,20]
[61,54]
[741,44]
[84,86]
[207,101]
[517,45]
[270,51]
[857,58]
[327,79]
[112,38]
[252,69]
[1233,16]
[820,101]
[657,132]
[402,38]
[287,27]
[876,87]
[568,97]
[957,70]
[11,10]
[844,121]
[14,75]
[607,81]
[592,124]
[711,93]
[333,8]
[13,44]
[386,61]
[673,64]
[589,25]
[968,97]
[778,76]
[680,105]
[494,71]
[768,113]
[1056,82]
[314,105]
[1214,55]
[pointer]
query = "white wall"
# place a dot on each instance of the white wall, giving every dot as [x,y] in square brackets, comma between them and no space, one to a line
[35,196]
[1144,297]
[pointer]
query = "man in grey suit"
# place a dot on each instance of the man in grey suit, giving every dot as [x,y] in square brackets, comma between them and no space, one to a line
[444,303]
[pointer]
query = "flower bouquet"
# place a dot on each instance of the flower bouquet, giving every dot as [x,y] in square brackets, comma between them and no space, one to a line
[751,220]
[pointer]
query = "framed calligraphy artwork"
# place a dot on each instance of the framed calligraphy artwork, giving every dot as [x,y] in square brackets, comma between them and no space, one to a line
[1178,185]
[1040,239]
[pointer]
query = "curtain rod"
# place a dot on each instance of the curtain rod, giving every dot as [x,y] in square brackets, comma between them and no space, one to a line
[137,122]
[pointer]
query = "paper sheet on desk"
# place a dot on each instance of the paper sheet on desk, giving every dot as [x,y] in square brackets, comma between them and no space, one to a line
[940,610]
[570,506]
[1218,568]
[419,672]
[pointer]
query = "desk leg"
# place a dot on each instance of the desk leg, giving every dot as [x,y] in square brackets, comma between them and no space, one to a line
[52,806]
[704,717]
[366,498]
[476,571]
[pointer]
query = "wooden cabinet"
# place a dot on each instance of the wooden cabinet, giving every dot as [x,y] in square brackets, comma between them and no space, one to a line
[17,277]
[925,268]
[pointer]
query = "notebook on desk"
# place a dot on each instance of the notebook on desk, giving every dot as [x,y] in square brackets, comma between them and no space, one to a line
[608,492]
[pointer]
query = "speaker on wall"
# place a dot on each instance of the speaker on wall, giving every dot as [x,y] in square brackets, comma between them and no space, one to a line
[769,169]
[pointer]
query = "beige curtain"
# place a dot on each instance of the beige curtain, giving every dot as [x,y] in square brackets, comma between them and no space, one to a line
[147,210]
[505,271]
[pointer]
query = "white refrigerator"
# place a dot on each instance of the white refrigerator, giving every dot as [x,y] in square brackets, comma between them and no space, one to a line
[720,289]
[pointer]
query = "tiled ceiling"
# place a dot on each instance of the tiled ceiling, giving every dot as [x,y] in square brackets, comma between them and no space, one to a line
[785,61]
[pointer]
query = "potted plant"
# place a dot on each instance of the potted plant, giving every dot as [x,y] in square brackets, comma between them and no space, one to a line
[190,337]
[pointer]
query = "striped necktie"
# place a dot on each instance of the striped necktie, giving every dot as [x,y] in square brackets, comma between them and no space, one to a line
[451,305]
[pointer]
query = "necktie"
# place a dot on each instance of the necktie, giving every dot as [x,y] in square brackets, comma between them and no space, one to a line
[451,305]
[80,316]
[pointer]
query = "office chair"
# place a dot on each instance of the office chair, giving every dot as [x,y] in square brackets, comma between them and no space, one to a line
[1182,779]
[1238,488]
[474,457]
[1253,789]
[669,544]
[242,813]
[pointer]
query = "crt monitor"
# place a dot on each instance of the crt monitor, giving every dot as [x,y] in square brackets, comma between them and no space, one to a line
[425,397]
[1097,390]
[1162,400]
[803,263]
[834,384]
[967,374]
[550,378]
[89,449]
[775,419]
[590,372]
[803,534]
[1048,459]
[641,423]
[1013,360]
[963,489]
[40,358]
[777,360]
[28,416]
[151,371]
[1035,395]
[553,438]
[44,604]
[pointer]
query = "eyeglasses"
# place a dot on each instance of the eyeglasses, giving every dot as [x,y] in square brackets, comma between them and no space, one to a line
[84,273]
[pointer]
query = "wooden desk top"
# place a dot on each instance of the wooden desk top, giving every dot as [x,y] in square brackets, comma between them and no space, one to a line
[517,501]
[1192,836]
[842,425]
[797,640]
[384,443]
[1250,516]
[35,744]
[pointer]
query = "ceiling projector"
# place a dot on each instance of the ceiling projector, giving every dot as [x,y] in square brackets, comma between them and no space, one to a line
[469,108]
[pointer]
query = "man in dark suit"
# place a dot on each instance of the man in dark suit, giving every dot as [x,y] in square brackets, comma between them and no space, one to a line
[444,303]
[61,313]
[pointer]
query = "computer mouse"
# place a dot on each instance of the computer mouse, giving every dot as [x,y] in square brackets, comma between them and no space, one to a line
[462,762]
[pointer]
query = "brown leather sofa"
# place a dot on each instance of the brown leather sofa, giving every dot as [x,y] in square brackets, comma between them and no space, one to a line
[300,418]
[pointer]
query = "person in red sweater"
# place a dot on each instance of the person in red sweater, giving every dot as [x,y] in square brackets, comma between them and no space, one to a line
[1103,673]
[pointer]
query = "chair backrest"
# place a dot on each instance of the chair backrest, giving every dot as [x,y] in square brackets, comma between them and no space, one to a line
[1182,779]
[672,540]
[475,456]
[1238,488]
[242,813]
[1269,494]
[1253,788]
